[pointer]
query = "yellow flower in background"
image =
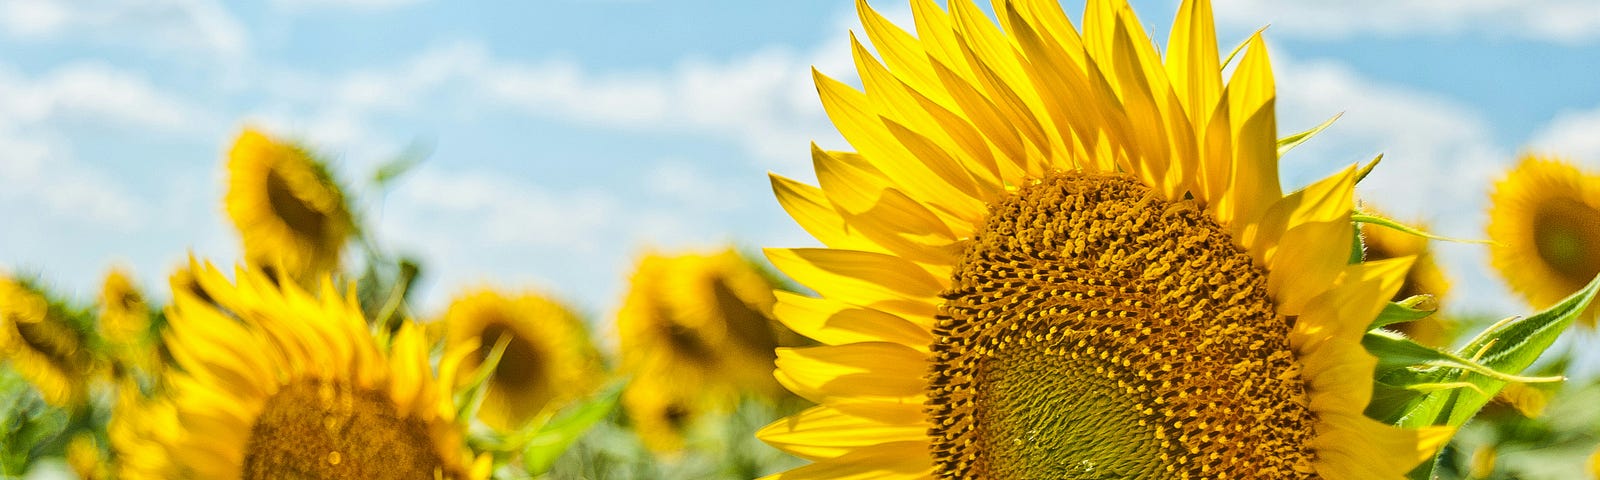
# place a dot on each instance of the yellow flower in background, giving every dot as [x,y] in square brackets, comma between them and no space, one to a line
[293,384]
[696,331]
[548,360]
[125,322]
[1059,255]
[140,429]
[286,207]
[1425,277]
[124,315]
[1544,219]
[86,459]
[38,341]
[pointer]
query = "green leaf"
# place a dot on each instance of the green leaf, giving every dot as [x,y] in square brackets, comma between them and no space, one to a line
[1288,143]
[1411,309]
[400,164]
[1511,346]
[1359,217]
[551,439]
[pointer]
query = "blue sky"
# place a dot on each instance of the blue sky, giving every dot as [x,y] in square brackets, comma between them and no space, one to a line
[569,135]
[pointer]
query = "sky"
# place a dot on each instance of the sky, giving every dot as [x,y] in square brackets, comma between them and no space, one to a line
[566,137]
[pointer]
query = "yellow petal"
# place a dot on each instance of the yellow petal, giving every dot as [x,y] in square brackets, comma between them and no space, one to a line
[1251,103]
[822,432]
[1318,254]
[835,323]
[867,279]
[879,370]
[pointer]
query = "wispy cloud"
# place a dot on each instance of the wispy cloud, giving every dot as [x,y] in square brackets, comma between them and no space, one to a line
[40,169]
[1563,21]
[204,26]
[1572,134]
[368,5]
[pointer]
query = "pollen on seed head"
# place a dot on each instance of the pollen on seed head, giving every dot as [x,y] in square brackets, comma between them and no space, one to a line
[1060,316]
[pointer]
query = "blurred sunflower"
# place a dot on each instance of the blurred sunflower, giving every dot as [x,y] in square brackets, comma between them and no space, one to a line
[296,386]
[1059,255]
[86,458]
[1424,277]
[139,430]
[285,205]
[548,360]
[125,322]
[38,340]
[1544,219]
[696,331]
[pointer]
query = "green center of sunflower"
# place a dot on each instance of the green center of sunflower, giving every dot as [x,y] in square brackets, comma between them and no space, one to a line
[1095,330]
[1565,233]
[319,430]
[299,215]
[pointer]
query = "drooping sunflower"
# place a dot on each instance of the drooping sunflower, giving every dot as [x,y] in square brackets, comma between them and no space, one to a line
[285,205]
[38,340]
[1060,255]
[548,360]
[292,384]
[1424,277]
[696,331]
[1544,219]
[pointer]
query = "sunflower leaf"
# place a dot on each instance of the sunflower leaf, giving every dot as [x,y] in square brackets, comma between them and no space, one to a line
[1414,308]
[1511,345]
[551,439]
[1360,217]
[1288,143]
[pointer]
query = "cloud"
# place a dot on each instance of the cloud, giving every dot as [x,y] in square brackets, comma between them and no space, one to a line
[40,169]
[93,92]
[1562,21]
[369,5]
[165,25]
[1572,134]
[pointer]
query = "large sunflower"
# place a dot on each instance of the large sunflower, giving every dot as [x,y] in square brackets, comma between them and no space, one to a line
[1544,219]
[696,331]
[1424,277]
[40,342]
[287,208]
[548,359]
[1059,255]
[292,385]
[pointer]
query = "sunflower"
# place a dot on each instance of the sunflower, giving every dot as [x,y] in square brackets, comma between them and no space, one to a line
[40,342]
[85,457]
[292,384]
[285,205]
[1425,277]
[696,331]
[125,321]
[1544,219]
[548,359]
[1059,255]
[140,428]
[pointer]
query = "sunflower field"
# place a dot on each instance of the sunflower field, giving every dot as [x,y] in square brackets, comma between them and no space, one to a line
[1052,246]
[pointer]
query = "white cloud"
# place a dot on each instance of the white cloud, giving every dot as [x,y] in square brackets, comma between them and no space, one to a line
[94,92]
[1565,21]
[1572,134]
[40,169]
[509,212]
[344,4]
[170,25]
